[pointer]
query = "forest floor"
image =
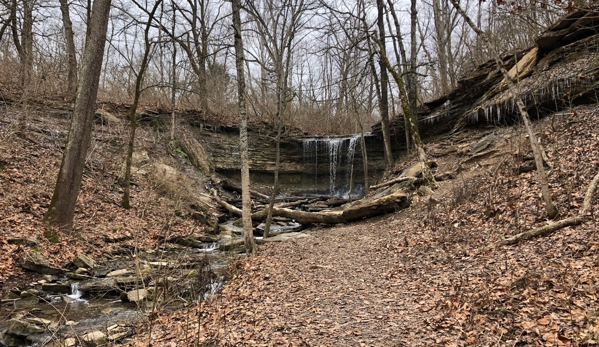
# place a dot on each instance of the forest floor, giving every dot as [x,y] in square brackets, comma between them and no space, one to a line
[430,275]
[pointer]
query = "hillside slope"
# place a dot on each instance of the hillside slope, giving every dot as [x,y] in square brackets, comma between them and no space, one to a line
[426,276]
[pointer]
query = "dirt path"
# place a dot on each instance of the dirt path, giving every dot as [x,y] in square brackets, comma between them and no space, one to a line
[418,277]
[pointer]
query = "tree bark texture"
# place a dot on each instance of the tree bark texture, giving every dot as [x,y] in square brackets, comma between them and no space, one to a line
[71,51]
[384,80]
[62,207]
[248,232]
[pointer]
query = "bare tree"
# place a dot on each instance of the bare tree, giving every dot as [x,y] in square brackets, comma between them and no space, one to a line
[136,95]
[552,211]
[277,24]
[248,232]
[62,207]
[384,80]
[71,50]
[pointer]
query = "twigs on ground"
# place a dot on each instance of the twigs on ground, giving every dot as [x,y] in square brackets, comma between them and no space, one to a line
[550,228]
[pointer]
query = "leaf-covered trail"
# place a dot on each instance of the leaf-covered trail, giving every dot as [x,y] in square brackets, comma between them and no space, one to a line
[360,285]
[418,277]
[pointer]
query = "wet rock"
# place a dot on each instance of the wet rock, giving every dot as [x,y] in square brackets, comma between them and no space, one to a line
[11,341]
[50,278]
[120,272]
[35,261]
[135,296]
[27,302]
[94,338]
[84,261]
[57,287]
[23,241]
[76,276]
[232,245]
[98,285]
[38,321]
[20,328]
[14,293]
[30,292]
[100,271]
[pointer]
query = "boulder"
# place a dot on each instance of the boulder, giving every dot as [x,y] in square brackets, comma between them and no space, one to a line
[84,261]
[35,261]
[416,169]
[94,338]
[20,328]
[104,117]
[135,296]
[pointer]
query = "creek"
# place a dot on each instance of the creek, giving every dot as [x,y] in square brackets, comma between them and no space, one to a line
[60,311]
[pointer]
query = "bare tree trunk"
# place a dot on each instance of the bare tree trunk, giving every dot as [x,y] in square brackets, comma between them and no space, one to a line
[552,211]
[27,43]
[404,65]
[62,207]
[384,80]
[173,82]
[126,203]
[412,120]
[71,51]
[412,80]
[248,232]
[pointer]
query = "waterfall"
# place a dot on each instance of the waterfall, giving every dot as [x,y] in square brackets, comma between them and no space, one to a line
[76,294]
[339,151]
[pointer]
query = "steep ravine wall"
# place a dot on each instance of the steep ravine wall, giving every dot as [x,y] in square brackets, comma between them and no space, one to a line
[305,165]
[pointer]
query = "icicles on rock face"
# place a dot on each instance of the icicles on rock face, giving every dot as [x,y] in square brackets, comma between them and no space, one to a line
[553,91]
[340,152]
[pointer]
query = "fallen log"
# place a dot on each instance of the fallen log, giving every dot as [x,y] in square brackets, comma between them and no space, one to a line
[370,208]
[351,212]
[582,217]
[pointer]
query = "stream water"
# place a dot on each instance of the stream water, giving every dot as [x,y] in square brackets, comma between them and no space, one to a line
[173,277]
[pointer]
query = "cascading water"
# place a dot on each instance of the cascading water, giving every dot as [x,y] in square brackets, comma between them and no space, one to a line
[76,294]
[340,153]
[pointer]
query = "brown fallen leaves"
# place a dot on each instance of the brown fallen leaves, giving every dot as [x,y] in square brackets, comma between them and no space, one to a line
[418,277]
[28,166]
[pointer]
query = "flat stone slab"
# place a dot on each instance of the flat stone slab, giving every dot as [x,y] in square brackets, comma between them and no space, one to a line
[35,261]
[286,237]
[98,285]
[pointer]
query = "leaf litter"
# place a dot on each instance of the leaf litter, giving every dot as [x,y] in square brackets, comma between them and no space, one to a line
[426,276]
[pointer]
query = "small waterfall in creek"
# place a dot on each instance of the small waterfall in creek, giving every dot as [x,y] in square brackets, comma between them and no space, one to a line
[76,294]
[339,151]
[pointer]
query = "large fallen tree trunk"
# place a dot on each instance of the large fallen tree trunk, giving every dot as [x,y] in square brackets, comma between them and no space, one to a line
[370,208]
[351,212]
